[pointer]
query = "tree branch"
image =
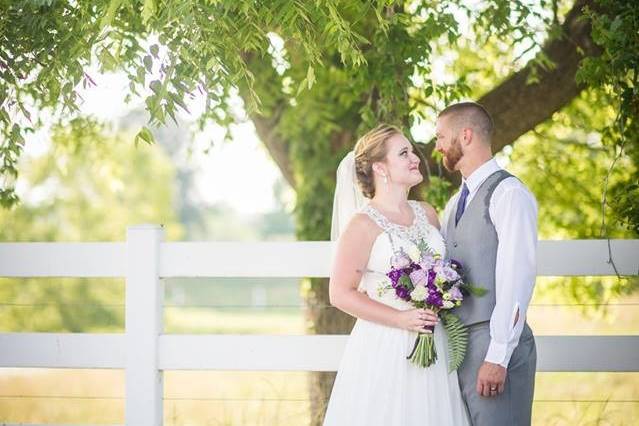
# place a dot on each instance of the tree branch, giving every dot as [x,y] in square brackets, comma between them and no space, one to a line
[517,107]
[266,123]
[278,147]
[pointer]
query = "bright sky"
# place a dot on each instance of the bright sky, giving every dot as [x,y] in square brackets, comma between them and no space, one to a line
[240,173]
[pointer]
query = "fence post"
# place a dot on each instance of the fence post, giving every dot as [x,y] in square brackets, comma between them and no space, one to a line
[143,323]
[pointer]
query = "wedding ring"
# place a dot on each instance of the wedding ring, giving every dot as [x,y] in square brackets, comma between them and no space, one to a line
[493,389]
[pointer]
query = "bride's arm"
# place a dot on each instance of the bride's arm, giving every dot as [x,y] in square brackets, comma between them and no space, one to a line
[351,257]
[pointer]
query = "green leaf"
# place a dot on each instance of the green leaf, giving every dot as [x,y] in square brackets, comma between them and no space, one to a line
[405,282]
[141,76]
[110,13]
[148,10]
[178,100]
[148,63]
[108,62]
[428,90]
[474,290]
[310,77]
[144,135]
[301,87]
[155,86]
[457,339]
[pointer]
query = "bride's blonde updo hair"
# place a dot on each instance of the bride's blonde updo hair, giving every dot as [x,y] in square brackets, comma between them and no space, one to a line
[369,149]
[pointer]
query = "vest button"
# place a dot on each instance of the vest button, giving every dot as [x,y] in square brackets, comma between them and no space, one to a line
[454,244]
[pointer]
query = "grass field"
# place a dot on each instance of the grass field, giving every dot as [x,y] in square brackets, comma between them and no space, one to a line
[273,398]
[280,398]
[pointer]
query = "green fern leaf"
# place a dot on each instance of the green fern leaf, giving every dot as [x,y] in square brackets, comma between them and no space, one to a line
[457,339]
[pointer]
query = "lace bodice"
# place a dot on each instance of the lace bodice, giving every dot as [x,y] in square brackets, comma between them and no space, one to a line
[393,238]
[418,230]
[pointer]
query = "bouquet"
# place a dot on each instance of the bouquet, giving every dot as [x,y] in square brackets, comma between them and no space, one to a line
[425,280]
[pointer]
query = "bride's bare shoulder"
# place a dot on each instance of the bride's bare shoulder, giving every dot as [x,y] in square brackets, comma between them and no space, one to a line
[361,227]
[431,213]
[363,221]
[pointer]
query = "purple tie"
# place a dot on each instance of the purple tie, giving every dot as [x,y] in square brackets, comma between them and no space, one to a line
[461,203]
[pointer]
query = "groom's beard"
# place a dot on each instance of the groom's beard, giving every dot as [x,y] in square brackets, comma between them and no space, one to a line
[453,155]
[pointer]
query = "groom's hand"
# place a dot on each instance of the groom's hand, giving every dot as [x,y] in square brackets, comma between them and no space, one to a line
[490,379]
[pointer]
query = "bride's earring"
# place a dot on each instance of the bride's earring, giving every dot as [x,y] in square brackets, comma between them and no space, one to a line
[385,179]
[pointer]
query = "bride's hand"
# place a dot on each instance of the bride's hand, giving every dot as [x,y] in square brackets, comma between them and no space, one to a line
[416,319]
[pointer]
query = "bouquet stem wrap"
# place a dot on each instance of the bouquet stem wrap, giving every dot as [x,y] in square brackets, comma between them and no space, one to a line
[424,353]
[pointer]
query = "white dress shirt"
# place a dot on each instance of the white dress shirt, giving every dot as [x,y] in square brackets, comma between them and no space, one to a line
[513,211]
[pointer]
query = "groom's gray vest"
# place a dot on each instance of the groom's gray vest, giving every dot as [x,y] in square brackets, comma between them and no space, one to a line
[473,242]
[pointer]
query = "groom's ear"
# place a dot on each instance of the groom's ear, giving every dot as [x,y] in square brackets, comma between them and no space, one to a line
[467,135]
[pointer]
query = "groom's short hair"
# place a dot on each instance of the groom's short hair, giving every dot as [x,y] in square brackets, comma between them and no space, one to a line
[470,114]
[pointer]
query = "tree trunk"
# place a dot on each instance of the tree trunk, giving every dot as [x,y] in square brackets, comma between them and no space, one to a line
[516,107]
[313,211]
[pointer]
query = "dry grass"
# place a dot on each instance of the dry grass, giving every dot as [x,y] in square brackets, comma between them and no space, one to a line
[274,398]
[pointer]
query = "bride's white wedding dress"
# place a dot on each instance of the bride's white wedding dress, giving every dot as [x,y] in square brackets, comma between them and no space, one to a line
[375,383]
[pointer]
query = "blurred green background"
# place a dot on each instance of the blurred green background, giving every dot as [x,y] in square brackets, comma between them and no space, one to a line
[226,121]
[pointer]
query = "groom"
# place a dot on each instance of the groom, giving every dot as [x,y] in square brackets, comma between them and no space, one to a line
[490,226]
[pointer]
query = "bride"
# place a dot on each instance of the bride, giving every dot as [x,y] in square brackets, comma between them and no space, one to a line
[373,218]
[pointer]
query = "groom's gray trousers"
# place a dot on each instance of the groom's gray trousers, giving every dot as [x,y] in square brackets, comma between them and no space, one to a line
[513,407]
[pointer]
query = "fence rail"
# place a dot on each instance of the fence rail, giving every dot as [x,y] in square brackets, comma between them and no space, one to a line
[144,351]
[278,353]
[303,259]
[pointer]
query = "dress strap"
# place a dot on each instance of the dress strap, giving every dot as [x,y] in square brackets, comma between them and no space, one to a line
[417,231]
[379,219]
[420,214]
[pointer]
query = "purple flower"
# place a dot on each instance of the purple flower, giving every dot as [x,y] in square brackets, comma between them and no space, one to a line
[427,261]
[455,293]
[395,275]
[419,277]
[435,299]
[426,281]
[431,278]
[402,293]
[449,274]
[400,260]
[445,271]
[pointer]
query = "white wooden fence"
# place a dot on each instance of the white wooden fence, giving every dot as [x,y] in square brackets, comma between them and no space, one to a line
[144,351]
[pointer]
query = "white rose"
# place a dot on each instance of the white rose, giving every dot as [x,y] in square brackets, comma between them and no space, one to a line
[448,304]
[414,254]
[419,293]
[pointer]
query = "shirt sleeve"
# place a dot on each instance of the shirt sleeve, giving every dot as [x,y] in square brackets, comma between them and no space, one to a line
[513,211]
